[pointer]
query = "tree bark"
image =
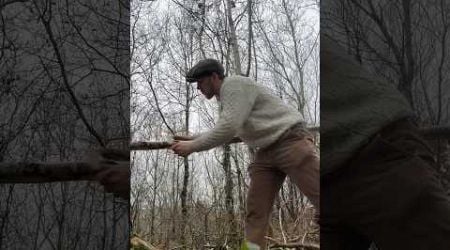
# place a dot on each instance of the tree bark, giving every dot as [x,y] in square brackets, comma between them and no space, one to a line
[233,40]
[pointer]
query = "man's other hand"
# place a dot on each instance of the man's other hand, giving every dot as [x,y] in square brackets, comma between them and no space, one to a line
[116,180]
[113,168]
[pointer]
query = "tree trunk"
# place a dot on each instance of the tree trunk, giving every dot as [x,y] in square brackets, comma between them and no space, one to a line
[229,200]
[233,40]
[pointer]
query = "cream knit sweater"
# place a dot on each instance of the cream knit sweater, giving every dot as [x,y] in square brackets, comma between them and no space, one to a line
[249,112]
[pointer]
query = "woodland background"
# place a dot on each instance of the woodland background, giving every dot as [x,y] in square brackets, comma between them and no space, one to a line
[199,201]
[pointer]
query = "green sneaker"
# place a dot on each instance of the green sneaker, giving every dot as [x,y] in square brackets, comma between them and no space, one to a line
[249,246]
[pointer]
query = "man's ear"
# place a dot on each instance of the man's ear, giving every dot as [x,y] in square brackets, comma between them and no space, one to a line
[215,76]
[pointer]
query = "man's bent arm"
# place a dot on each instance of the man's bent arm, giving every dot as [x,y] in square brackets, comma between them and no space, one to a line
[237,103]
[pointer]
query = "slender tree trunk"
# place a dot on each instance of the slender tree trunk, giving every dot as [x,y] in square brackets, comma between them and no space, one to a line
[184,191]
[250,37]
[410,64]
[155,181]
[229,200]
[233,40]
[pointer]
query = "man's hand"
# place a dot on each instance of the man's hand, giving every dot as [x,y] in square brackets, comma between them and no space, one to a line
[116,180]
[182,148]
[113,170]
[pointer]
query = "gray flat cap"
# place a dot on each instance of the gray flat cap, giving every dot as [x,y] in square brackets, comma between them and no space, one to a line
[204,67]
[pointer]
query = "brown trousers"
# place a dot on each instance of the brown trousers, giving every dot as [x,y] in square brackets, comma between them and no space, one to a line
[293,154]
[388,194]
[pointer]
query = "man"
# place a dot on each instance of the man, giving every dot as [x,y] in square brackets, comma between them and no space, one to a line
[377,178]
[264,122]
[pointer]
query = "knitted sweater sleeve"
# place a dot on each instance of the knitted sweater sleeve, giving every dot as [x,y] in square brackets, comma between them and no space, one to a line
[237,101]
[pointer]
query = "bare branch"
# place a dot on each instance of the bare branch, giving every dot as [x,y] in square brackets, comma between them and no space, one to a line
[61,64]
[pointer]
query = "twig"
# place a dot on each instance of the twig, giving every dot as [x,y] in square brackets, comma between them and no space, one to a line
[281,224]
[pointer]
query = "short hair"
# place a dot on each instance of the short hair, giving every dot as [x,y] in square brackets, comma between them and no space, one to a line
[205,67]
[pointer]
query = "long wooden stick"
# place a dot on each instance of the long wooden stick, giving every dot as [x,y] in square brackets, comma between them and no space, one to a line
[430,133]
[142,145]
[24,172]
[30,172]
[39,172]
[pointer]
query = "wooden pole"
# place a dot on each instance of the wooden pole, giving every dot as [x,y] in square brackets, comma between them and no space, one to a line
[29,172]
[142,145]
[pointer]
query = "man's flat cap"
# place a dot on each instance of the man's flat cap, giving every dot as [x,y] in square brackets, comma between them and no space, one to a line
[204,67]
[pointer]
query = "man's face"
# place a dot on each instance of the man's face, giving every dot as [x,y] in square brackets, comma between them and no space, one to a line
[205,85]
